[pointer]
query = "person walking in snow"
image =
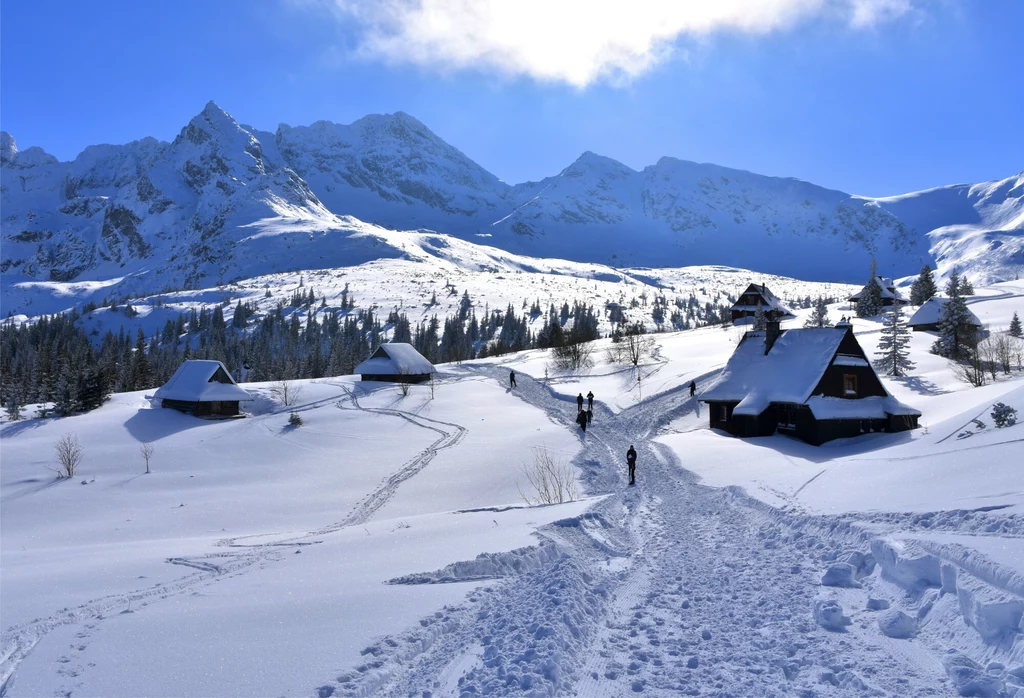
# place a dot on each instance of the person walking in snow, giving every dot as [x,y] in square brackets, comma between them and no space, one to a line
[590,416]
[579,402]
[631,460]
[511,379]
[581,419]
[693,388]
[590,400]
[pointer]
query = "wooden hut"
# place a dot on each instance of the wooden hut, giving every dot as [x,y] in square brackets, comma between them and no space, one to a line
[396,362]
[813,383]
[929,316]
[890,295]
[203,389]
[745,307]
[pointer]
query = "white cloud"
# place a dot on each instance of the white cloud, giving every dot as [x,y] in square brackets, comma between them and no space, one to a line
[573,41]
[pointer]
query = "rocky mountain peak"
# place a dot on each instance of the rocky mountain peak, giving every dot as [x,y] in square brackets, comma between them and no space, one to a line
[8,148]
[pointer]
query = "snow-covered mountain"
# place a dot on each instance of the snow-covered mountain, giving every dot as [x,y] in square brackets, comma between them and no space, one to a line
[978,228]
[224,202]
[215,203]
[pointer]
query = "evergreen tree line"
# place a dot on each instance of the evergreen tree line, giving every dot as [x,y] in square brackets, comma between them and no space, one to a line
[52,360]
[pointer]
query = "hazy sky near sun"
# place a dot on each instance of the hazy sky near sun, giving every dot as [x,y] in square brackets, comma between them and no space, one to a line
[868,96]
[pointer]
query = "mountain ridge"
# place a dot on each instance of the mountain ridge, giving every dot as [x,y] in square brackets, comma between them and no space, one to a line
[186,210]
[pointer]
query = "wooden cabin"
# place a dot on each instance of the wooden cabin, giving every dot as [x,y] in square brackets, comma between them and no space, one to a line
[202,389]
[396,362]
[758,295]
[890,295]
[813,383]
[929,316]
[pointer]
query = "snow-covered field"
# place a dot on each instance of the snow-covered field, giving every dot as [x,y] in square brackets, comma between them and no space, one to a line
[341,557]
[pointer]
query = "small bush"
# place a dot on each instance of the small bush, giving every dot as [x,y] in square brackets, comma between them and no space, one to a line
[294,419]
[1003,415]
[554,481]
[69,455]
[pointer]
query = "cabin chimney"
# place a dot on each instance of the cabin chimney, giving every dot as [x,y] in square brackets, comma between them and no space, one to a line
[771,333]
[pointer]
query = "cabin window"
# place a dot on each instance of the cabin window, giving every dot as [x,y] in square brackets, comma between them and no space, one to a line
[723,413]
[849,385]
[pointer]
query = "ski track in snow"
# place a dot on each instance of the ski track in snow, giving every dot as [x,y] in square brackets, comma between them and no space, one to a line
[18,641]
[667,588]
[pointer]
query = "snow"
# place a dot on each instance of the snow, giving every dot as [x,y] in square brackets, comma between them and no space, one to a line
[930,313]
[870,407]
[394,358]
[787,373]
[383,548]
[194,382]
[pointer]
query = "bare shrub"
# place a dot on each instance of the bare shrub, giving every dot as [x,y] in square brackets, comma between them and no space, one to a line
[147,450]
[553,480]
[971,370]
[69,455]
[572,357]
[286,391]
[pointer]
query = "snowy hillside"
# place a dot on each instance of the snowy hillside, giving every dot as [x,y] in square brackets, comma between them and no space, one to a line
[383,547]
[976,228]
[224,202]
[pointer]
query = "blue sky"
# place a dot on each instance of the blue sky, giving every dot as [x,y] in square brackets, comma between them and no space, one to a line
[869,96]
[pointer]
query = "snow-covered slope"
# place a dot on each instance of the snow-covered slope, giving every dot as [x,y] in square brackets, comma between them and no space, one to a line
[978,228]
[677,212]
[392,170]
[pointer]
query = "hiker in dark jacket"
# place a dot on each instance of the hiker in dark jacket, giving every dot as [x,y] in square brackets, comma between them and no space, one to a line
[693,388]
[590,416]
[581,419]
[631,460]
[590,400]
[511,379]
[579,402]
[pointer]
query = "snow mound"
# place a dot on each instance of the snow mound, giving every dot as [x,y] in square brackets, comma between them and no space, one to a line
[828,613]
[969,679]
[896,623]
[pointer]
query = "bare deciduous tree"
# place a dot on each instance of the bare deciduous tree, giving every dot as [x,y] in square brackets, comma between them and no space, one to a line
[286,391]
[147,450]
[572,357]
[69,455]
[553,480]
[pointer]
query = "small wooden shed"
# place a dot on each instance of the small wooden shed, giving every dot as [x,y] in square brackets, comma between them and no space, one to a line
[758,295]
[928,317]
[202,388]
[396,362]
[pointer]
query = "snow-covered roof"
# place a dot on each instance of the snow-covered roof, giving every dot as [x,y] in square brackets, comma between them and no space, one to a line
[847,360]
[194,381]
[771,301]
[395,358]
[787,373]
[872,407]
[889,290]
[931,313]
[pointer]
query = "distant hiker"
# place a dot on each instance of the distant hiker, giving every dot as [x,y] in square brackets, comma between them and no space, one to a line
[631,460]
[693,388]
[581,419]
[590,400]
[579,402]
[590,416]
[511,379]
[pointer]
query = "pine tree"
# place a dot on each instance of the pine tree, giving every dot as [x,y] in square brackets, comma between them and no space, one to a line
[760,321]
[870,302]
[957,334]
[1015,328]
[892,348]
[818,316]
[966,287]
[923,287]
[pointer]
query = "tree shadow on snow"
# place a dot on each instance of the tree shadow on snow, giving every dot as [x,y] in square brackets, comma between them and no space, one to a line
[920,385]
